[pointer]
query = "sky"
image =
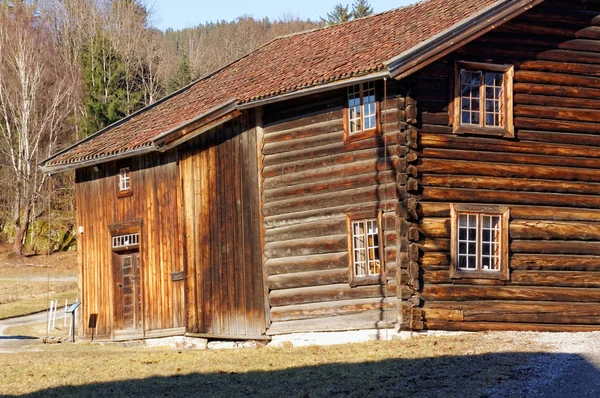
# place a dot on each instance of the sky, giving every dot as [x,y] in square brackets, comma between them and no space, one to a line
[179,14]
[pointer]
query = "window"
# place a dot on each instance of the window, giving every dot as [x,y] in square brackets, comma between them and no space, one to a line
[483,99]
[124,182]
[479,242]
[126,241]
[365,251]
[361,112]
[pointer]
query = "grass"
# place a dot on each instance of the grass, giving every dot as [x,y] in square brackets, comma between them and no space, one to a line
[40,329]
[424,366]
[30,305]
[24,287]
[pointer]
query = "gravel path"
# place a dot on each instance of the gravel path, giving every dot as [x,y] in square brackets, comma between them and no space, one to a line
[568,365]
[16,343]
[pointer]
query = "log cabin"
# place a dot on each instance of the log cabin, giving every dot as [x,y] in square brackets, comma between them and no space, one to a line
[433,167]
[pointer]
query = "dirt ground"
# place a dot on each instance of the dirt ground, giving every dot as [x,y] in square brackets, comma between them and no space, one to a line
[507,364]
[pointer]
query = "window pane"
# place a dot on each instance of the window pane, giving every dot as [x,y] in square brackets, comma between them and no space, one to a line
[365,239]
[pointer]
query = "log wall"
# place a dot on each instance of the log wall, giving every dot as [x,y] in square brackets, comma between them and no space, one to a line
[310,180]
[548,175]
[224,283]
[154,202]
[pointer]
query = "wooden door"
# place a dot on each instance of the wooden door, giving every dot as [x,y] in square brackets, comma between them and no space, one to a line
[128,298]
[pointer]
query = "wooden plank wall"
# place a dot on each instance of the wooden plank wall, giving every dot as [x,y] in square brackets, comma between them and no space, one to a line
[155,202]
[219,175]
[310,180]
[549,177]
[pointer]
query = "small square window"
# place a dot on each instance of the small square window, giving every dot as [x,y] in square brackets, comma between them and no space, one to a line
[483,99]
[361,112]
[479,242]
[365,250]
[124,182]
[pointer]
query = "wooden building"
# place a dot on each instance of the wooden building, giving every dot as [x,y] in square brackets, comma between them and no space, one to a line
[436,166]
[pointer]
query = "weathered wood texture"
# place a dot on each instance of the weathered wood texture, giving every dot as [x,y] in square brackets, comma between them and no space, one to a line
[154,201]
[549,176]
[310,180]
[224,284]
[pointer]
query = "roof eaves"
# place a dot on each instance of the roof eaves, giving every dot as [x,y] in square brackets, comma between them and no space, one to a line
[457,35]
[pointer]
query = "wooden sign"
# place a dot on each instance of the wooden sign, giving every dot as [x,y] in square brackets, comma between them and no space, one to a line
[177,276]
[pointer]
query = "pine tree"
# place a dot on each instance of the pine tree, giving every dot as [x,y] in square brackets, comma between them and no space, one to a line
[106,96]
[340,14]
[361,8]
[183,75]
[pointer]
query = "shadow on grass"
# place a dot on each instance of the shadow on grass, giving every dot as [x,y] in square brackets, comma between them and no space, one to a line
[17,338]
[488,375]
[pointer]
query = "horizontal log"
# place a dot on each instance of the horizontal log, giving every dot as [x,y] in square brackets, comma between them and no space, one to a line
[337,147]
[319,262]
[552,101]
[560,67]
[333,199]
[555,247]
[532,278]
[555,91]
[506,326]
[307,247]
[303,164]
[532,123]
[310,278]
[332,308]
[311,142]
[331,212]
[511,184]
[434,245]
[337,185]
[304,117]
[330,123]
[554,262]
[332,172]
[315,294]
[521,159]
[529,293]
[459,167]
[556,278]
[557,79]
[374,319]
[434,227]
[433,209]
[547,230]
[435,261]
[427,140]
[510,197]
[559,138]
[333,226]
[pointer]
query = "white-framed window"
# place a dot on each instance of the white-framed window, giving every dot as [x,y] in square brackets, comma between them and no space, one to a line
[479,241]
[483,99]
[366,263]
[124,179]
[127,240]
[361,108]
[365,247]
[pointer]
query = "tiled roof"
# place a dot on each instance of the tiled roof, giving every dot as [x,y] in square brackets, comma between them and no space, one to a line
[284,65]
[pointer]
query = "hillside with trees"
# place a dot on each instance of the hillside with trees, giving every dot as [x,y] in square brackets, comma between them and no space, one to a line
[69,68]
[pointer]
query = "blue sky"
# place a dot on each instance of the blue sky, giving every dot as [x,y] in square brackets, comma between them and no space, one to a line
[178,14]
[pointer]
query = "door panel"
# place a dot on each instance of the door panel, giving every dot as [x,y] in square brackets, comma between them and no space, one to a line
[128,297]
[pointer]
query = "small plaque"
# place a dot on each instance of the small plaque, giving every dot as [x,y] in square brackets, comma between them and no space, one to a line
[72,308]
[177,276]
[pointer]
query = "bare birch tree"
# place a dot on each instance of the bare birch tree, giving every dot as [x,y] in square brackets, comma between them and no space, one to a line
[34,104]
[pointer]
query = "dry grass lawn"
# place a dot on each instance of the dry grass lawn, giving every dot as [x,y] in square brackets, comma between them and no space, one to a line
[25,286]
[464,365]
